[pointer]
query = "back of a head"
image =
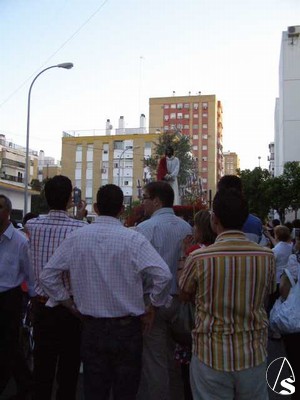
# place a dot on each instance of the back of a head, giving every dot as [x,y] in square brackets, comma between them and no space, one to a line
[58,191]
[231,208]
[282,233]
[110,200]
[230,182]
[7,203]
[202,222]
[162,190]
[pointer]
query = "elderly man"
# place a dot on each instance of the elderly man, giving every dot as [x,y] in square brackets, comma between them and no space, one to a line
[106,263]
[229,281]
[15,268]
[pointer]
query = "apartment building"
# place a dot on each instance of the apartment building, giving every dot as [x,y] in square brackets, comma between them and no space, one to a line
[231,163]
[95,158]
[200,118]
[287,107]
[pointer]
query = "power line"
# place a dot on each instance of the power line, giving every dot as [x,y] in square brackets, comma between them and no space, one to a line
[56,51]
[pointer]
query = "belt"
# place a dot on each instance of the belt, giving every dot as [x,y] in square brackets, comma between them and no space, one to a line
[42,299]
[124,319]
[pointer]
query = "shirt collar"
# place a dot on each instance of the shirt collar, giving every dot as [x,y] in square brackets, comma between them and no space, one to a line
[163,210]
[9,231]
[107,219]
[231,234]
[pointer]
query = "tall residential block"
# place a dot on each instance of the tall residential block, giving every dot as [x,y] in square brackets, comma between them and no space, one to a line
[200,118]
[95,158]
[231,163]
[287,108]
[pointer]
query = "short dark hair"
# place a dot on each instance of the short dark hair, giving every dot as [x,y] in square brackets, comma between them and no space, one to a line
[282,233]
[162,190]
[7,202]
[109,200]
[230,182]
[231,208]
[58,191]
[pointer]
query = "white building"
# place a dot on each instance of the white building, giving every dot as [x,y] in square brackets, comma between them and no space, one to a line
[287,109]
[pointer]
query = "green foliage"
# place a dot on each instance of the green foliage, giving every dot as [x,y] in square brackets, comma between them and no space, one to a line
[182,150]
[265,192]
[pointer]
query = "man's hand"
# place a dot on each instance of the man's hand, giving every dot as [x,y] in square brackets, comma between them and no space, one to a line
[70,305]
[81,211]
[148,318]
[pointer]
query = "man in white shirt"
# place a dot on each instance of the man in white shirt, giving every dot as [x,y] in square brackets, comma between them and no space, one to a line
[106,262]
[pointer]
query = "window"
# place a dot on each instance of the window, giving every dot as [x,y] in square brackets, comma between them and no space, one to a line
[179,106]
[186,126]
[126,183]
[78,153]
[196,116]
[204,136]
[105,164]
[166,127]
[166,118]
[104,181]
[147,145]
[204,115]
[179,115]
[173,105]
[89,152]
[204,126]
[195,137]
[186,106]
[204,147]
[78,165]
[89,165]
[179,126]
[195,126]
[187,116]
[195,147]
[204,158]
[166,106]
[195,106]
[204,169]
[118,145]
[204,106]
[172,115]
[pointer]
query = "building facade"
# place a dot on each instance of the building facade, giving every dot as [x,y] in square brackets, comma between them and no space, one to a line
[94,160]
[200,118]
[231,163]
[287,108]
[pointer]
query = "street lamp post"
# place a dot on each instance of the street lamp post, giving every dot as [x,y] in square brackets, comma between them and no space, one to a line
[65,66]
[259,158]
[121,155]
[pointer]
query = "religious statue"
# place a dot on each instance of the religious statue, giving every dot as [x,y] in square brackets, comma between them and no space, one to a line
[168,169]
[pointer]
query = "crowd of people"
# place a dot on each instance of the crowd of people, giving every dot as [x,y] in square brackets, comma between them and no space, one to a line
[109,297]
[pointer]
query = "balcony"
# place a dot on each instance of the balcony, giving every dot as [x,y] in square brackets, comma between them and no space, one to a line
[11,178]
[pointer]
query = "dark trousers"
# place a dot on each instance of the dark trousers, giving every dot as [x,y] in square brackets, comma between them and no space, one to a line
[291,344]
[56,352]
[112,356]
[12,360]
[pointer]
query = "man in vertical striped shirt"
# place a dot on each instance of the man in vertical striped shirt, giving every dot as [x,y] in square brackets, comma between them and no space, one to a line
[56,330]
[229,281]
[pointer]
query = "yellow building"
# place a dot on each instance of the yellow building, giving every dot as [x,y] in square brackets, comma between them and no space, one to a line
[231,163]
[94,160]
[200,118]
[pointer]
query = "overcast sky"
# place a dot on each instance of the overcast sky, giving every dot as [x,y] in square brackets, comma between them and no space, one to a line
[126,51]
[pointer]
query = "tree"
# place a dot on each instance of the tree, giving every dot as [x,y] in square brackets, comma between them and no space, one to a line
[254,186]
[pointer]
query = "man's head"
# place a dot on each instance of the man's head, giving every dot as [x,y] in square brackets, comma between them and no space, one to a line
[5,210]
[157,195]
[169,151]
[58,192]
[230,182]
[230,210]
[109,201]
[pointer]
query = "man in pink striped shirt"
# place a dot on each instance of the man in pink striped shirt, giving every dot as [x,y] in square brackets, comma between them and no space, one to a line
[229,281]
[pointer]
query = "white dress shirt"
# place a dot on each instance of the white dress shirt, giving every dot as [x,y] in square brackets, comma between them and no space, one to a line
[106,262]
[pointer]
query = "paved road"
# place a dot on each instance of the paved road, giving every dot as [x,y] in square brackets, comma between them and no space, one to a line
[275,347]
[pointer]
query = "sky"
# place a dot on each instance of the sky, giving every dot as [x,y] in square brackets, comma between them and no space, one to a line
[127,51]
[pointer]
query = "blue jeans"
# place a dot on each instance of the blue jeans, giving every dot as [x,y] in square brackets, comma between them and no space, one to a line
[112,356]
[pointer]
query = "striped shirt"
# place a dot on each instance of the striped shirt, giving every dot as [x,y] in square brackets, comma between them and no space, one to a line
[230,280]
[166,231]
[45,235]
[106,262]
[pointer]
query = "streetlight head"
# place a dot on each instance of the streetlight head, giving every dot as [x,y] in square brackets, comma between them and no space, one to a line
[65,65]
